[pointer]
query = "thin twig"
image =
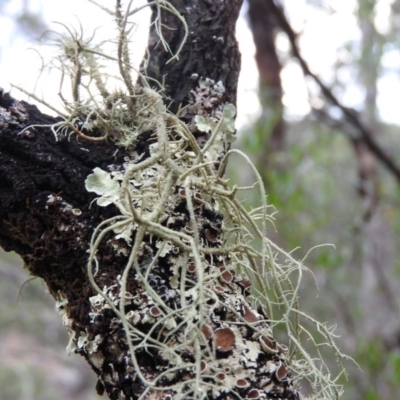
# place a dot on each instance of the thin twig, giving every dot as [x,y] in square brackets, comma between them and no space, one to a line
[365,135]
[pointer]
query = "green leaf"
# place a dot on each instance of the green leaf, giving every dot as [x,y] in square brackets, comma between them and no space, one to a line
[371,395]
[395,361]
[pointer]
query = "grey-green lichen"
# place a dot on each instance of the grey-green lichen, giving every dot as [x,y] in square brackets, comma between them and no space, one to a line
[213,319]
[147,192]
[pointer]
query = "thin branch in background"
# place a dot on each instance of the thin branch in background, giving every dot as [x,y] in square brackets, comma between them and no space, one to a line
[364,134]
[366,191]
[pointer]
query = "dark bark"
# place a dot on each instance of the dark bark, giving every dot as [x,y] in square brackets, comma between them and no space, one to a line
[47,216]
[48,235]
[210,52]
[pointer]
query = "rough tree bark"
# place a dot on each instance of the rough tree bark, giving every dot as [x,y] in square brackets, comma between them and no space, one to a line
[48,217]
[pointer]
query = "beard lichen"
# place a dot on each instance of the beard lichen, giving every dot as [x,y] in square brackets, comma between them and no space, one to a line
[205,295]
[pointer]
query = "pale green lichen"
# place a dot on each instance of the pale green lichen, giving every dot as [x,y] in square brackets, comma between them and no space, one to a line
[226,123]
[146,202]
[146,191]
[102,183]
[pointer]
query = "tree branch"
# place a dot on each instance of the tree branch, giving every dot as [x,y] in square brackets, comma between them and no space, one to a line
[365,135]
[208,52]
[147,317]
[155,280]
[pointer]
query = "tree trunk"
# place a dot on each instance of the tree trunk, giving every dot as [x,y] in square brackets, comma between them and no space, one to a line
[136,311]
[270,124]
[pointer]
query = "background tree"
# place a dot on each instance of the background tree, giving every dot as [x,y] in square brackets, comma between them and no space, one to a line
[337,175]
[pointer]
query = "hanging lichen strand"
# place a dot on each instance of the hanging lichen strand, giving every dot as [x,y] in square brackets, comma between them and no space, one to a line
[191,313]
